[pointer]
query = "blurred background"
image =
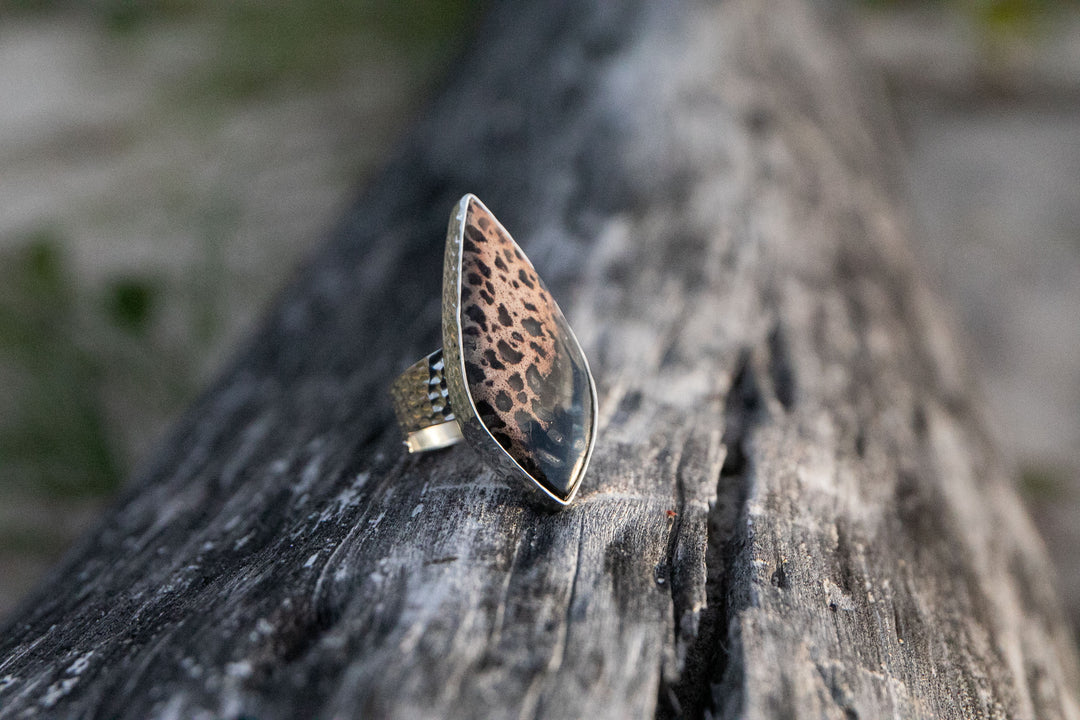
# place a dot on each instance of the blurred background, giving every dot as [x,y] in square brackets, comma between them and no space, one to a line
[164,165]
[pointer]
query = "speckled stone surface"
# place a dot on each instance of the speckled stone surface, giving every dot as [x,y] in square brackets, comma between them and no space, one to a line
[527,375]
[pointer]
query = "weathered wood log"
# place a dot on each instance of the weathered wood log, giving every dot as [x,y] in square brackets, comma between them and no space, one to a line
[793,509]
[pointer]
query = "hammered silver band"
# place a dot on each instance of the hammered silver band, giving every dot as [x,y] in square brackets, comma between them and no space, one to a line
[422,405]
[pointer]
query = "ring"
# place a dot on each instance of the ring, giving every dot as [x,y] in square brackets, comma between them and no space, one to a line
[511,379]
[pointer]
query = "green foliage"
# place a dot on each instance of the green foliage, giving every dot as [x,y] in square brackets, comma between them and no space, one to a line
[52,432]
[71,353]
[262,45]
[996,21]
[129,303]
[1042,483]
[268,43]
[1008,27]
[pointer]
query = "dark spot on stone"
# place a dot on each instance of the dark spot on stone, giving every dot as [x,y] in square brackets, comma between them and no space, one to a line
[529,306]
[501,265]
[509,255]
[508,353]
[532,326]
[484,269]
[524,277]
[466,293]
[515,283]
[503,439]
[524,421]
[483,222]
[516,382]
[538,350]
[474,279]
[474,373]
[489,416]
[518,337]
[471,330]
[530,466]
[554,434]
[470,246]
[493,361]
[522,397]
[474,313]
[541,412]
[490,287]
[532,376]
[487,297]
[471,233]
[503,401]
[504,318]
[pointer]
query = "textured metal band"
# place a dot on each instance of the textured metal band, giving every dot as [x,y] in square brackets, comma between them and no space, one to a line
[422,405]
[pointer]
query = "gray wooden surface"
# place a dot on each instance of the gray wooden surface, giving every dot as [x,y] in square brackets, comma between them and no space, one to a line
[793,509]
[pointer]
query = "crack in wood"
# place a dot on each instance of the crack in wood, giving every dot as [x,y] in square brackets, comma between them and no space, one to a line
[710,658]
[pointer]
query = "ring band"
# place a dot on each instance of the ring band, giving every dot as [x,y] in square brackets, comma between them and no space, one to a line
[422,405]
[511,379]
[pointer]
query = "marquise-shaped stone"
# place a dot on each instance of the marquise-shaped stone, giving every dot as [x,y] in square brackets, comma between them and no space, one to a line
[526,374]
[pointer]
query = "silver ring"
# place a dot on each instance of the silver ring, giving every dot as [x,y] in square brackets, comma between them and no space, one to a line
[511,379]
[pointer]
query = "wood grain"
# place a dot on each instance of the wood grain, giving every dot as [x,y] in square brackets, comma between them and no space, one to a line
[793,509]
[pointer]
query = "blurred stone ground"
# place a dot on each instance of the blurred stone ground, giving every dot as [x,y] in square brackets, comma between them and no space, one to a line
[155,201]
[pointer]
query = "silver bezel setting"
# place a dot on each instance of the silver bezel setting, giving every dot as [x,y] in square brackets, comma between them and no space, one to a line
[475,432]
